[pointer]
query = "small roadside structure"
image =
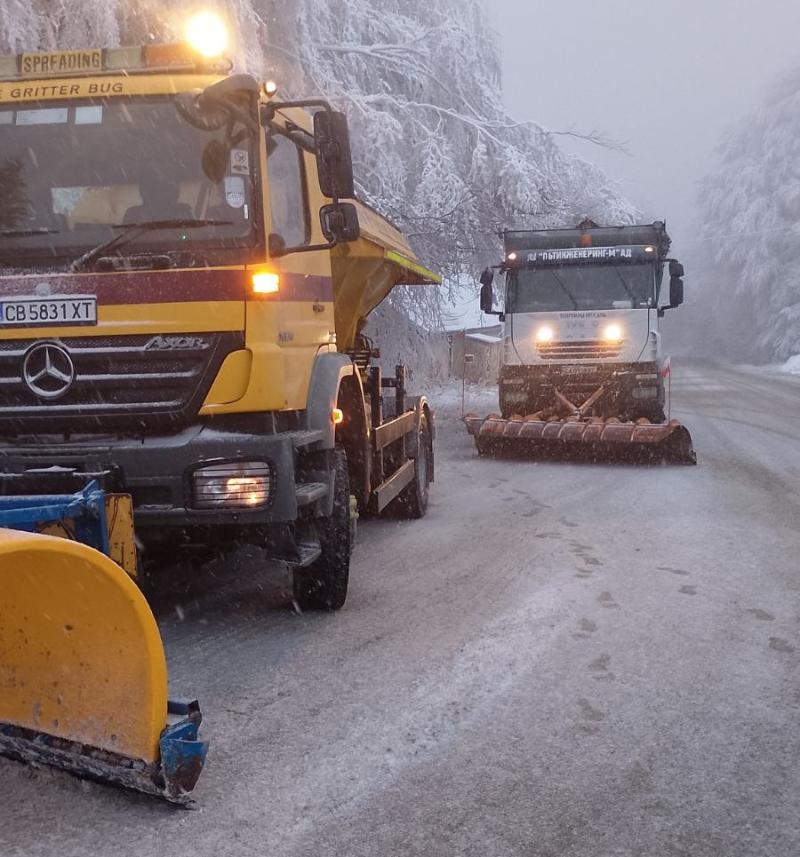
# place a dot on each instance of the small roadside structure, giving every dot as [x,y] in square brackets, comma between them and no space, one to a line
[475,353]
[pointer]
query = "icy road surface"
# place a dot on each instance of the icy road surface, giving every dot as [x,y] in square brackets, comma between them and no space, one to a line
[570,660]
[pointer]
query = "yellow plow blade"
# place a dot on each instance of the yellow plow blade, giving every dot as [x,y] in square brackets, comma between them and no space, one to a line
[83,679]
[80,654]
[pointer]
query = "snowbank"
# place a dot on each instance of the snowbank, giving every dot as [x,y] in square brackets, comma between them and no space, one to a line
[792,365]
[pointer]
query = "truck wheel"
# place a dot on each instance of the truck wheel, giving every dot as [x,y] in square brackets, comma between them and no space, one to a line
[413,501]
[323,584]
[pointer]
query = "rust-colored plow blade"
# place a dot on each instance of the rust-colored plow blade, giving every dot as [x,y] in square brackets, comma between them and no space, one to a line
[593,437]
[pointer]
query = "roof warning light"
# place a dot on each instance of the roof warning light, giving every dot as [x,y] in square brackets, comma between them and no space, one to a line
[207,34]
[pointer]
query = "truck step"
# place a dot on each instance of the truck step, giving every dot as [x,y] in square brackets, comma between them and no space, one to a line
[301,439]
[310,492]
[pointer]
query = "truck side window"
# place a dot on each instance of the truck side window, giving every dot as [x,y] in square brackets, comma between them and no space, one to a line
[287,191]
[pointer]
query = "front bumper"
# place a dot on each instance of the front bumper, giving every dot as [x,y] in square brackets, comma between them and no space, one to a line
[157,471]
[625,383]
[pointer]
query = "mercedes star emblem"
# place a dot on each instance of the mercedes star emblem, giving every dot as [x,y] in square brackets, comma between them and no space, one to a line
[48,370]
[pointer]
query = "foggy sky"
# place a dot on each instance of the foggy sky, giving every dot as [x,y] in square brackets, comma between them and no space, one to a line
[666,77]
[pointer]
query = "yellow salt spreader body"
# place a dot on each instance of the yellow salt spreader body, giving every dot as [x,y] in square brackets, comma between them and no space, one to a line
[83,677]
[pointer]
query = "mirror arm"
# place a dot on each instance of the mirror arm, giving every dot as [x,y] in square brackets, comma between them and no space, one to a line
[303,248]
[297,135]
[236,112]
[269,110]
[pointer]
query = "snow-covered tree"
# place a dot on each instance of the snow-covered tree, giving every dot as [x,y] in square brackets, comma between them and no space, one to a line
[750,238]
[435,149]
[47,24]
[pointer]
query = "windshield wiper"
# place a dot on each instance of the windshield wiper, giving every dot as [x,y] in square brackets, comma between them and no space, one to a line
[567,292]
[132,231]
[22,233]
[625,285]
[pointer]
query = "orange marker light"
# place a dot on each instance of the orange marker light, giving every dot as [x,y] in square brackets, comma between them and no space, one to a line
[266,283]
[163,56]
[337,415]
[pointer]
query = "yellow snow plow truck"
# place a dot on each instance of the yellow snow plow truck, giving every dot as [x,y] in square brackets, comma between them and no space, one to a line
[182,297]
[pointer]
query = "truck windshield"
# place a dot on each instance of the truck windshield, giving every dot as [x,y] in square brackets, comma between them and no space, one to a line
[71,175]
[581,287]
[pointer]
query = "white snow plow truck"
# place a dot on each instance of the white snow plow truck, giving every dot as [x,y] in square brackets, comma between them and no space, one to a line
[582,366]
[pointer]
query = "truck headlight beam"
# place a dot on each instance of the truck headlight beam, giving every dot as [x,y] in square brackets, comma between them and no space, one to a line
[236,485]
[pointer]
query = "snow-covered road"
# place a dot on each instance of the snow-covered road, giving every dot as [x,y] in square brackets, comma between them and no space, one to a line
[561,659]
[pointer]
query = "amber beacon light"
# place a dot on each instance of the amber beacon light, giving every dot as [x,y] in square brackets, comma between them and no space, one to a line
[266,283]
[207,34]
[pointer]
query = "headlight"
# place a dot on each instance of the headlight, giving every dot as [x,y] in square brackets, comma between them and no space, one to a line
[238,485]
[544,334]
[613,333]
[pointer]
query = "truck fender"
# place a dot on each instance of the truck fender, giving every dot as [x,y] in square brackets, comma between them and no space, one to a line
[422,408]
[335,382]
[329,371]
[355,435]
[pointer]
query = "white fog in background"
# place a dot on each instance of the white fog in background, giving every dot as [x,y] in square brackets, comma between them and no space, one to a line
[670,79]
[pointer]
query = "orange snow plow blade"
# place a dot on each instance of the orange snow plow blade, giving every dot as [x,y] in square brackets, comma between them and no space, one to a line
[593,438]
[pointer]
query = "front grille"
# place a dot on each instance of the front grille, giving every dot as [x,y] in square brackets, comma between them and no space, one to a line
[120,381]
[587,349]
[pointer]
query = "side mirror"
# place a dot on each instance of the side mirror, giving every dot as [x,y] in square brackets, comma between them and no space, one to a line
[334,156]
[487,293]
[675,291]
[339,222]
[675,269]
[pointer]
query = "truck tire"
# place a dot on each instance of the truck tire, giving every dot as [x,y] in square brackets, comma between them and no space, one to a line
[413,500]
[323,584]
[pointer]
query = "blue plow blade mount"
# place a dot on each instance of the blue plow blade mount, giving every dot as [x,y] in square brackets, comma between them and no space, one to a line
[182,754]
[85,510]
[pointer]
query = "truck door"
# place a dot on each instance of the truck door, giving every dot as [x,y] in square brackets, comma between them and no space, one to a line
[304,308]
